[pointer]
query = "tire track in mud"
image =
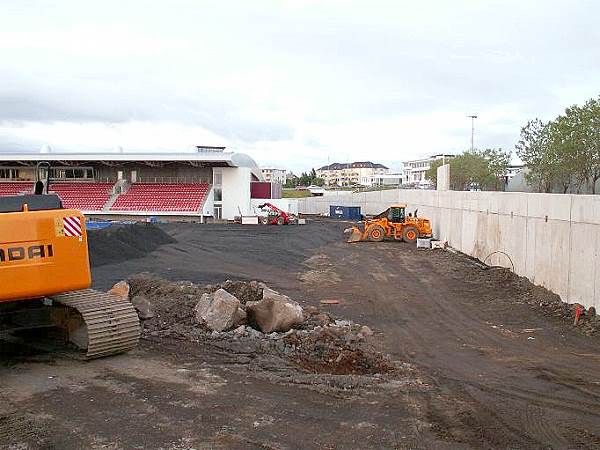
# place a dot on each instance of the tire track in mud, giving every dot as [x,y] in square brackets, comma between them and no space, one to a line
[425,312]
[542,430]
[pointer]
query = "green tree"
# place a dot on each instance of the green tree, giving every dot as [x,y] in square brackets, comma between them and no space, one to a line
[587,136]
[431,173]
[474,168]
[565,152]
[498,161]
[532,148]
[306,179]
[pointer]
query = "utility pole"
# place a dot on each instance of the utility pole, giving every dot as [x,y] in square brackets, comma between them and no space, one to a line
[473,117]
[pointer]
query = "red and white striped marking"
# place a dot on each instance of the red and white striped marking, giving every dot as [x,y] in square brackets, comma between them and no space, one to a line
[72,226]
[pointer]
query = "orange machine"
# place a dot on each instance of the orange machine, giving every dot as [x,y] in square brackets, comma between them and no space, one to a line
[45,277]
[392,223]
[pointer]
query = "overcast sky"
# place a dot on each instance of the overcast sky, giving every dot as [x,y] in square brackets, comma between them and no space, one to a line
[293,83]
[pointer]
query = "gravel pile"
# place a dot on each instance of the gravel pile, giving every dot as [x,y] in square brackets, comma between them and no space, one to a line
[119,243]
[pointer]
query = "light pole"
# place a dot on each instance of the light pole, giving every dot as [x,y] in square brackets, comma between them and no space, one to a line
[473,117]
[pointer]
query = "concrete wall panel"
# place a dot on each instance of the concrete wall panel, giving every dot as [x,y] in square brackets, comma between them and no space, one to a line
[555,206]
[582,273]
[586,209]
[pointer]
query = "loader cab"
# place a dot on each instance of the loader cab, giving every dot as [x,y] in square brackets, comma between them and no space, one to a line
[397,214]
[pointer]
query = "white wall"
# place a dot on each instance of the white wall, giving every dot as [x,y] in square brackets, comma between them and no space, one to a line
[208,207]
[236,191]
[552,239]
[443,177]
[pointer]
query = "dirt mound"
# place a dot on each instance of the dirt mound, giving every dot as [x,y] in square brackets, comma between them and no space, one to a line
[321,345]
[540,298]
[244,291]
[122,242]
[335,350]
[172,303]
[505,286]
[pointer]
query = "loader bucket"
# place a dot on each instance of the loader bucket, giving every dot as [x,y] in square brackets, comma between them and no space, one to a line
[355,235]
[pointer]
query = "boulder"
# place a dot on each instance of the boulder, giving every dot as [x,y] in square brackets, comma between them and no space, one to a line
[219,311]
[121,290]
[143,307]
[275,312]
[268,292]
[365,332]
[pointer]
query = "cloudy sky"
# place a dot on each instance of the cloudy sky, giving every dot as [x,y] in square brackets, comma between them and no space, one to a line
[294,83]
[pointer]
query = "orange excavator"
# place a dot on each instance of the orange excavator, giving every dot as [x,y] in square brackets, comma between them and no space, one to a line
[45,277]
[391,223]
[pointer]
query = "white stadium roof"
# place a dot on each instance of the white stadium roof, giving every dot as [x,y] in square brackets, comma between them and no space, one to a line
[211,155]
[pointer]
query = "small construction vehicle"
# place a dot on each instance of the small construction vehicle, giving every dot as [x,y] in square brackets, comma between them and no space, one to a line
[275,216]
[45,278]
[391,223]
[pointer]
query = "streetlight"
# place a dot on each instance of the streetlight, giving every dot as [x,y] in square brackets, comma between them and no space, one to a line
[473,117]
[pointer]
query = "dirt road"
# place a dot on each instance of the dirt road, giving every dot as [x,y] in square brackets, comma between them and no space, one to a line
[484,369]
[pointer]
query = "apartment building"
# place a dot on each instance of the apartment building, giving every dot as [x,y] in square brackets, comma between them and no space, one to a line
[361,173]
[273,175]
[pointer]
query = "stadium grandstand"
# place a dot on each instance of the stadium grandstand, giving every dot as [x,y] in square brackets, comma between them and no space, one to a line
[207,183]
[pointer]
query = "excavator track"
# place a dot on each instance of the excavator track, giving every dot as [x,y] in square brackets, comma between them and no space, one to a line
[108,324]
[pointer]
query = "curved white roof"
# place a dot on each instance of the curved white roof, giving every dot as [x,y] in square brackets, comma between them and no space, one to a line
[224,158]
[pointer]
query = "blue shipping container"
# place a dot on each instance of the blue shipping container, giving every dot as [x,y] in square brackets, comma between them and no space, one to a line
[345,212]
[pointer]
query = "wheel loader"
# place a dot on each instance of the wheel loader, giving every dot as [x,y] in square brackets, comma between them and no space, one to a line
[391,223]
[45,278]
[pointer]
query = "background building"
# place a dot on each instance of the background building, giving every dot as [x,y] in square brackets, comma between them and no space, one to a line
[415,171]
[349,174]
[388,179]
[273,175]
[209,182]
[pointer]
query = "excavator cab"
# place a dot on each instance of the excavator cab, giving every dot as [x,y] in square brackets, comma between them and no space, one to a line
[45,273]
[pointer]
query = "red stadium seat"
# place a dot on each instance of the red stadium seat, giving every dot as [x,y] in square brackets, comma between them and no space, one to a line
[84,195]
[162,197]
[8,188]
[87,196]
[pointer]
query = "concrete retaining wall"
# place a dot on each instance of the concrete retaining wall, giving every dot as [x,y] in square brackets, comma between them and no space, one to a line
[552,239]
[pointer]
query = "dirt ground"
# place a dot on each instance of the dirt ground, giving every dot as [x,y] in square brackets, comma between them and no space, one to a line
[479,364]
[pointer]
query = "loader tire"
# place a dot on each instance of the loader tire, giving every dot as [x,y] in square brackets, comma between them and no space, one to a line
[280,220]
[376,233]
[410,235]
[264,220]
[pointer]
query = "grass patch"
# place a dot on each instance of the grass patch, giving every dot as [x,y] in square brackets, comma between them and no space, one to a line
[295,193]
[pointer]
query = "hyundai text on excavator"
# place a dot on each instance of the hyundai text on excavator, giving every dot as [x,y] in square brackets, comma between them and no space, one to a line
[391,223]
[45,277]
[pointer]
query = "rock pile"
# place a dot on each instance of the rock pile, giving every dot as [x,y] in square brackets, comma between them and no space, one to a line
[250,317]
[222,308]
